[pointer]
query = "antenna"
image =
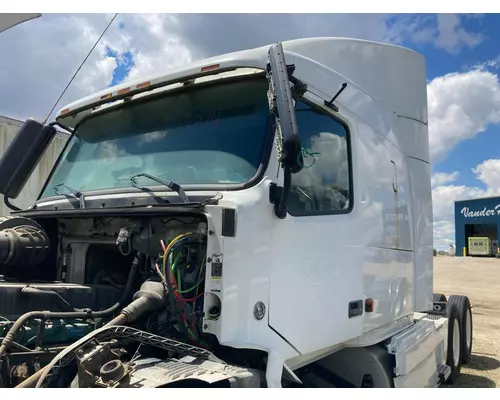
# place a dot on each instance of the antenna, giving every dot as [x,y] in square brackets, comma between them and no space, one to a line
[79,68]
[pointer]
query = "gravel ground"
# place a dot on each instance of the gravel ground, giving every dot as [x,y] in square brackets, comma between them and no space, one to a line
[479,279]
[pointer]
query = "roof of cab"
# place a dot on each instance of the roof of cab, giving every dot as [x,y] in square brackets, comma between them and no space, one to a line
[392,74]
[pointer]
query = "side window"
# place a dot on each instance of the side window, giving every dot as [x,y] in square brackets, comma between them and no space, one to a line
[324,185]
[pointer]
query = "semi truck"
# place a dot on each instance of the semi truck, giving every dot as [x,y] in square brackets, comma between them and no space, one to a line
[257,219]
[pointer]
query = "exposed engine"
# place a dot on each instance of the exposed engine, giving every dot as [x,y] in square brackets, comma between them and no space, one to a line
[89,277]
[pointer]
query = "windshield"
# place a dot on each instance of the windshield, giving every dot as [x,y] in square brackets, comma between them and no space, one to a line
[200,136]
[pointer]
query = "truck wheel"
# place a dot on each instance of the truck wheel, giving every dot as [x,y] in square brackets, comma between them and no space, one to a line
[438,297]
[465,318]
[454,350]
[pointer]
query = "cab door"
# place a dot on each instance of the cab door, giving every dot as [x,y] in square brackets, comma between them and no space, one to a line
[316,290]
[316,298]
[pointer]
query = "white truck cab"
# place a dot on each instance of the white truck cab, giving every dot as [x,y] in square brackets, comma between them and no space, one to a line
[307,166]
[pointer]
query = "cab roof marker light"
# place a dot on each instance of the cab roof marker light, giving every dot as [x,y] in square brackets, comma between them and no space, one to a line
[65,111]
[106,96]
[124,90]
[210,68]
[143,85]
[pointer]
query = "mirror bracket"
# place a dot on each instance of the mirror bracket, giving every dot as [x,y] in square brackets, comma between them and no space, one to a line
[7,202]
[282,105]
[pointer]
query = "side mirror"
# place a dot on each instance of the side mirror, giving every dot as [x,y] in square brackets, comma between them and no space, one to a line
[282,106]
[279,75]
[23,155]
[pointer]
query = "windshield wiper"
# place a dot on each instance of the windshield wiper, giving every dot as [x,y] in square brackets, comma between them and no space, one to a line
[78,195]
[170,184]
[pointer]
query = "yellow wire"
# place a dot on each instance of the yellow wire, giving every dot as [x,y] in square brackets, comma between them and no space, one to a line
[170,245]
[201,269]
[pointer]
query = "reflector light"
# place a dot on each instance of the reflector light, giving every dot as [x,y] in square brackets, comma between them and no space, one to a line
[369,305]
[210,68]
[125,90]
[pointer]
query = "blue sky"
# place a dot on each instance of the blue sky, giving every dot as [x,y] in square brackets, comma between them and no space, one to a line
[468,153]
[462,52]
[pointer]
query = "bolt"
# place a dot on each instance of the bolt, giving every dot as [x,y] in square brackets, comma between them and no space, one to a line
[259,310]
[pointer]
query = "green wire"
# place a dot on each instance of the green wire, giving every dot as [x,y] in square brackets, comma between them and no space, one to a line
[195,337]
[172,267]
[305,154]
[188,290]
[179,290]
[179,279]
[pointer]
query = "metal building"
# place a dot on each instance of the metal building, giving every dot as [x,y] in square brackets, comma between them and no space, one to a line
[8,129]
[477,227]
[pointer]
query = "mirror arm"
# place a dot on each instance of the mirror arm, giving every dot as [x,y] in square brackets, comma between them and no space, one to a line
[10,205]
[67,128]
[280,209]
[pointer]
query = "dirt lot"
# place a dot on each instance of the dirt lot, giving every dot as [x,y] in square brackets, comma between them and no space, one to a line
[479,279]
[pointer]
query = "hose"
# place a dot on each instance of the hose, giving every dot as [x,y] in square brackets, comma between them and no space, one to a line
[65,306]
[150,296]
[21,347]
[33,379]
[9,338]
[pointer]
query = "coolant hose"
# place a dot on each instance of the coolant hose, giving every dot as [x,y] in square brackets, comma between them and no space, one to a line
[9,338]
[151,296]
[65,306]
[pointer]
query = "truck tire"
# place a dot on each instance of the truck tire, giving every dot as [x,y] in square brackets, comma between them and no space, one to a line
[454,348]
[438,297]
[465,317]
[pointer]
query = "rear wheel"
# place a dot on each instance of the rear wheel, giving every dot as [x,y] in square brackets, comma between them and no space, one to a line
[454,351]
[465,319]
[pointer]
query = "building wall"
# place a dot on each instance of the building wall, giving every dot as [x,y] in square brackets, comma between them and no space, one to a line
[484,211]
[8,129]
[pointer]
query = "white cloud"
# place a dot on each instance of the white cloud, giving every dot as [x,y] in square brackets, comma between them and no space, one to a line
[443,204]
[461,105]
[452,36]
[43,54]
[441,178]
[443,31]
[489,173]
[489,64]
[444,234]
[444,196]
[40,56]
[154,41]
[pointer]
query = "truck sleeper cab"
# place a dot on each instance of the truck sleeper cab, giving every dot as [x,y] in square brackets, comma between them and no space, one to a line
[344,275]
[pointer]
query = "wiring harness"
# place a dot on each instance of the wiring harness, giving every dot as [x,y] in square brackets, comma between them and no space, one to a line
[183,280]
